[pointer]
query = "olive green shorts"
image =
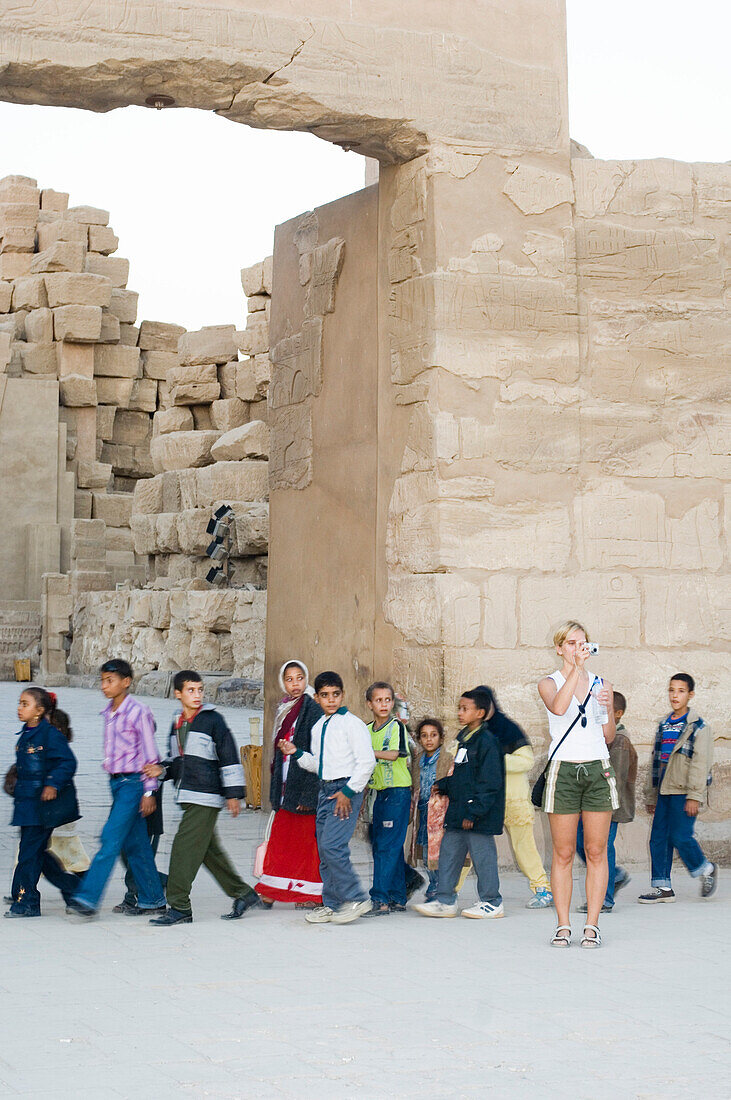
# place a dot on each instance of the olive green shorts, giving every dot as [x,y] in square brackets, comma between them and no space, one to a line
[571,788]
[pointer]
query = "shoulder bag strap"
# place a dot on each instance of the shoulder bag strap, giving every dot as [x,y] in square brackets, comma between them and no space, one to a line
[581,715]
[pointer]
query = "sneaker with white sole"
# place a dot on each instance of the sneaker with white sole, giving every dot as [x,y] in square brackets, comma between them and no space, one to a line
[542,899]
[483,910]
[323,914]
[656,895]
[350,911]
[436,909]
[709,882]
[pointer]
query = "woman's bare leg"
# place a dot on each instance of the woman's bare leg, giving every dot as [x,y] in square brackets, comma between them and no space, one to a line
[596,833]
[563,834]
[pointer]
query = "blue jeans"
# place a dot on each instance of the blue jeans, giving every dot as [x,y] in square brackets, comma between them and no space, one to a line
[340,883]
[34,860]
[456,843]
[614,871]
[433,888]
[390,822]
[125,831]
[672,828]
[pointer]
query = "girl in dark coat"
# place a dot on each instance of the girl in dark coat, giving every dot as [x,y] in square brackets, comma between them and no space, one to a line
[291,869]
[45,764]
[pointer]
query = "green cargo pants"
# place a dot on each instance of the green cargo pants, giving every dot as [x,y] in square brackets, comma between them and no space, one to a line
[196,842]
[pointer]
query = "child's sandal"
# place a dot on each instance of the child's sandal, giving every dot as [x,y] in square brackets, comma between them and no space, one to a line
[591,941]
[561,940]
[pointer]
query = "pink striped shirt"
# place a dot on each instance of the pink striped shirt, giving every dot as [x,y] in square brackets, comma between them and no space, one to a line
[129,739]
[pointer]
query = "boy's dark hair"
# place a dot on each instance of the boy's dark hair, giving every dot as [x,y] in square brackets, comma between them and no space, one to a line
[61,721]
[619,702]
[118,667]
[685,678]
[186,676]
[379,685]
[488,693]
[326,680]
[430,722]
[482,697]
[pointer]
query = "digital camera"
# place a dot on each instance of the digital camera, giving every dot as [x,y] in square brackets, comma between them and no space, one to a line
[593,648]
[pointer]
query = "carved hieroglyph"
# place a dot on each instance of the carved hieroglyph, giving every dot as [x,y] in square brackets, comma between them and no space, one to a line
[297,360]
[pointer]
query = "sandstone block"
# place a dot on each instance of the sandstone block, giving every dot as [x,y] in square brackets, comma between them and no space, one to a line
[6,295]
[90,530]
[681,611]
[105,416]
[143,531]
[205,650]
[202,418]
[19,189]
[191,529]
[29,293]
[54,201]
[181,450]
[227,379]
[51,232]
[147,498]
[211,611]
[251,528]
[113,268]
[77,391]
[110,328]
[160,336]
[17,213]
[609,599]
[621,527]
[75,359]
[194,393]
[82,504]
[177,649]
[257,279]
[90,581]
[116,361]
[435,608]
[18,238]
[131,427]
[160,610]
[183,375]
[114,391]
[128,334]
[123,304]
[61,256]
[38,358]
[177,419]
[5,343]
[144,395]
[15,265]
[166,533]
[78,288]
[247,441]
[102,239]
[89,215]
[82,324]
[158,364]
[254,340]
[39,326]
[115,509]
[257,302]
[210,345]
[229,413]
[246,480]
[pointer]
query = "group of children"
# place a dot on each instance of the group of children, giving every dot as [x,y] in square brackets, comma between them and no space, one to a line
[327,764]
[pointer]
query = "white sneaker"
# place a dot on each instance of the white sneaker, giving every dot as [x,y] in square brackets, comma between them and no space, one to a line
[484,910]
[350,911]
[323,914]
[436,909]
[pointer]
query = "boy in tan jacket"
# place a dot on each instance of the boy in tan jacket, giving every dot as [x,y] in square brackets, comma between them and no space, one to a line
[676,789]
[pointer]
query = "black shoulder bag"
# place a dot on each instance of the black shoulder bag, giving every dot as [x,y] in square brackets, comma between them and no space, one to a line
[536,795]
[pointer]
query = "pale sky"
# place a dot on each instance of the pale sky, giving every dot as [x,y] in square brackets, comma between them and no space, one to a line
[194,197]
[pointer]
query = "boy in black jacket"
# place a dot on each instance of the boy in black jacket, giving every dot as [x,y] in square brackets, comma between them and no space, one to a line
[476,792]
[204,764]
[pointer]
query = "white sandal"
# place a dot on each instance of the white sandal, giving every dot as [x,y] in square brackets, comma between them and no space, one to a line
[591,941]
[559,940]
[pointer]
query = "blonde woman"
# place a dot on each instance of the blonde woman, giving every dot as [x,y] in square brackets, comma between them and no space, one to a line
[580,782]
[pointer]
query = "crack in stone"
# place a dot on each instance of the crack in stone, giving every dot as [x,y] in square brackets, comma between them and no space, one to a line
[299,49]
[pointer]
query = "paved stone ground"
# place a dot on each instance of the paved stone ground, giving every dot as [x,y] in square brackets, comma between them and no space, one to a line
[403,1007]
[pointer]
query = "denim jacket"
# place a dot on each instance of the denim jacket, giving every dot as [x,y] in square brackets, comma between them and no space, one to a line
[43,759]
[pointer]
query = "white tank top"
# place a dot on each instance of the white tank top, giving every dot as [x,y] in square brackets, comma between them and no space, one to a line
[584,742]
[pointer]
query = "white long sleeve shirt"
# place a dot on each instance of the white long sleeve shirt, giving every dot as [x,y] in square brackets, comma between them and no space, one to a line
[341,749]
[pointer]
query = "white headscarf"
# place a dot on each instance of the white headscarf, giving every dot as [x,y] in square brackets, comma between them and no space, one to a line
[287,702]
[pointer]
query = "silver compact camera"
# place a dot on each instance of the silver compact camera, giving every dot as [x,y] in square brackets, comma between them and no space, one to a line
[592,648]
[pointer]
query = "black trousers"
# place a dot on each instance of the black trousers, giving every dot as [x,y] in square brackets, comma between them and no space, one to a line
[34,861]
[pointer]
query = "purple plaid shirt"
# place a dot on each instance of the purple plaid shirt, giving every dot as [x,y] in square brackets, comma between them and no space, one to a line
[129,739]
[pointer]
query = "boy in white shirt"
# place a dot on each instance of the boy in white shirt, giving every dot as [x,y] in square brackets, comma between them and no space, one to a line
[342,758]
